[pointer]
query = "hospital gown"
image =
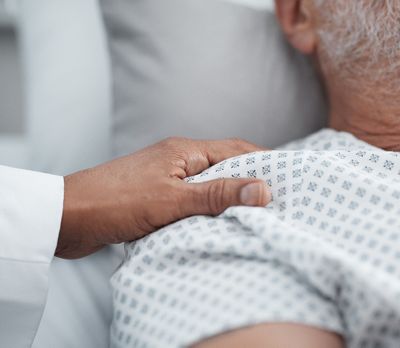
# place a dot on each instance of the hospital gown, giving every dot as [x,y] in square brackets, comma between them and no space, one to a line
[325,252]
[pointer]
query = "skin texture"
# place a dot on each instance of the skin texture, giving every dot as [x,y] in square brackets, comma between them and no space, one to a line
[127,198]
[283,335]
[362,92]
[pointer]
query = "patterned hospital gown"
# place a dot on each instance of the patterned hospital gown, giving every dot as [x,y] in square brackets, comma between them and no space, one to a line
[325,252]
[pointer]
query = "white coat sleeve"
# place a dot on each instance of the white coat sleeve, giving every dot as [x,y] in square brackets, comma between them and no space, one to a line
[31,206]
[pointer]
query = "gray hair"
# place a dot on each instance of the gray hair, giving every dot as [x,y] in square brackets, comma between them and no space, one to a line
[361,37]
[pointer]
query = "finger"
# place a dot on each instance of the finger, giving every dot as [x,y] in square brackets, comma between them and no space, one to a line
[211,152]
[213,197]
[219,150]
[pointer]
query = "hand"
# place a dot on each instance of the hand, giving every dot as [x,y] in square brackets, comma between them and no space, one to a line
[125,199]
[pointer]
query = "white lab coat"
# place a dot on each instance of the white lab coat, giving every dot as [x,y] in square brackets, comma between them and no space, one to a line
[31,206]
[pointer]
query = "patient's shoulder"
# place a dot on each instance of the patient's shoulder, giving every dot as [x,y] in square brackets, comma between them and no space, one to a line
[328,140]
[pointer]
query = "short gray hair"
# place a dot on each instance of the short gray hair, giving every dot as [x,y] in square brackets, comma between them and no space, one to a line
[361,37]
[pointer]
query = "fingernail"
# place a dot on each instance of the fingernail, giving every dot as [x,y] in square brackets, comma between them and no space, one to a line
[255,194]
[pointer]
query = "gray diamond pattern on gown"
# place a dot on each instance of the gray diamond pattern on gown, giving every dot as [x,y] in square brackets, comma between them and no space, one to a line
[325,252]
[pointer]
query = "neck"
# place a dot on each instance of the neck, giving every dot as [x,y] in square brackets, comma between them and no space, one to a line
[373,118]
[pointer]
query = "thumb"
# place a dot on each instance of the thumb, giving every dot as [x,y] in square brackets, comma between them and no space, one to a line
[213,197]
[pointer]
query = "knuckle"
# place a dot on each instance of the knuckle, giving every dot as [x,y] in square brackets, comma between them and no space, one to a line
[237,142]
[215,196]
[175,141]
[171,140]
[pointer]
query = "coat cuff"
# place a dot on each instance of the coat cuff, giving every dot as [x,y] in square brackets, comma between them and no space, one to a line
[31,206]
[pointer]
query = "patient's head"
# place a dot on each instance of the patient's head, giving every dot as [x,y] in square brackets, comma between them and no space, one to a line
[353,39]
[356,45]
[360,38]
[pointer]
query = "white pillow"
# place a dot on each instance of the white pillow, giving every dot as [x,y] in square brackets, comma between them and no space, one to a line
[206,69]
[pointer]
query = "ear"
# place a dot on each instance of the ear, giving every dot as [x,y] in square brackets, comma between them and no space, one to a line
[297,22]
